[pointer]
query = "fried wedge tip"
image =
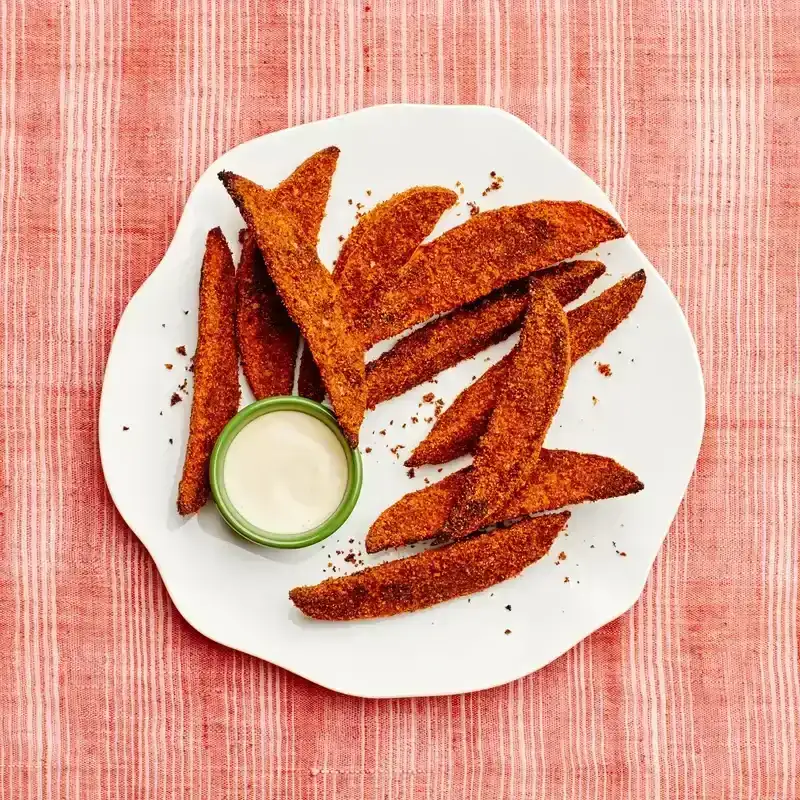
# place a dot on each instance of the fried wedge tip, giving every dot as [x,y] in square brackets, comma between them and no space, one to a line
[568,281]
[381,244]
[304,194]
[458,430]
[592,322]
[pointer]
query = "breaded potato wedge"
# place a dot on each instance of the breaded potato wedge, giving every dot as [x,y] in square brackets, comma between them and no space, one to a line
[561,478]
[447,340]
[484,254]
[457,431]
[216,371]
[267,337]
[591,322]
[381,244]
[425,579]
[508,452]
[378,246]
[312,300]
[304,194]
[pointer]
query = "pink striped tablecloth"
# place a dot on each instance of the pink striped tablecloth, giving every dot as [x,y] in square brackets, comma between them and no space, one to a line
[685,112]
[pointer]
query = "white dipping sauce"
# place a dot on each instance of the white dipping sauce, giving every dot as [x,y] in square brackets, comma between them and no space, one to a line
[285,472]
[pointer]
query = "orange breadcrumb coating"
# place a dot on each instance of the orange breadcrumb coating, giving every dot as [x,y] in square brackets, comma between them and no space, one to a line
[561,478]
[312,300]
[509,450]
[266,335]
[486,252]
[216,371]
[447,340]
[458,430]
[304,194]
[590,323]
[425,579]
[379,245]
[382,243]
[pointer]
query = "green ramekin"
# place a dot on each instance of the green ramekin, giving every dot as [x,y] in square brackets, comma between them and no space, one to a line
[283,540]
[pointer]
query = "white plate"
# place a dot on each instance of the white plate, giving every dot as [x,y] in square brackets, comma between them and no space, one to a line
[649,415]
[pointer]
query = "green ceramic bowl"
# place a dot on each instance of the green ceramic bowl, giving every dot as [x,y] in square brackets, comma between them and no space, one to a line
[284,540]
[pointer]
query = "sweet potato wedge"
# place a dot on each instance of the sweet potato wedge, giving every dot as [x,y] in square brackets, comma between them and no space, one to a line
[507,453]
[368,263]
[265,333]
[425,579]
[216,371]
[561,478]
[312,300]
